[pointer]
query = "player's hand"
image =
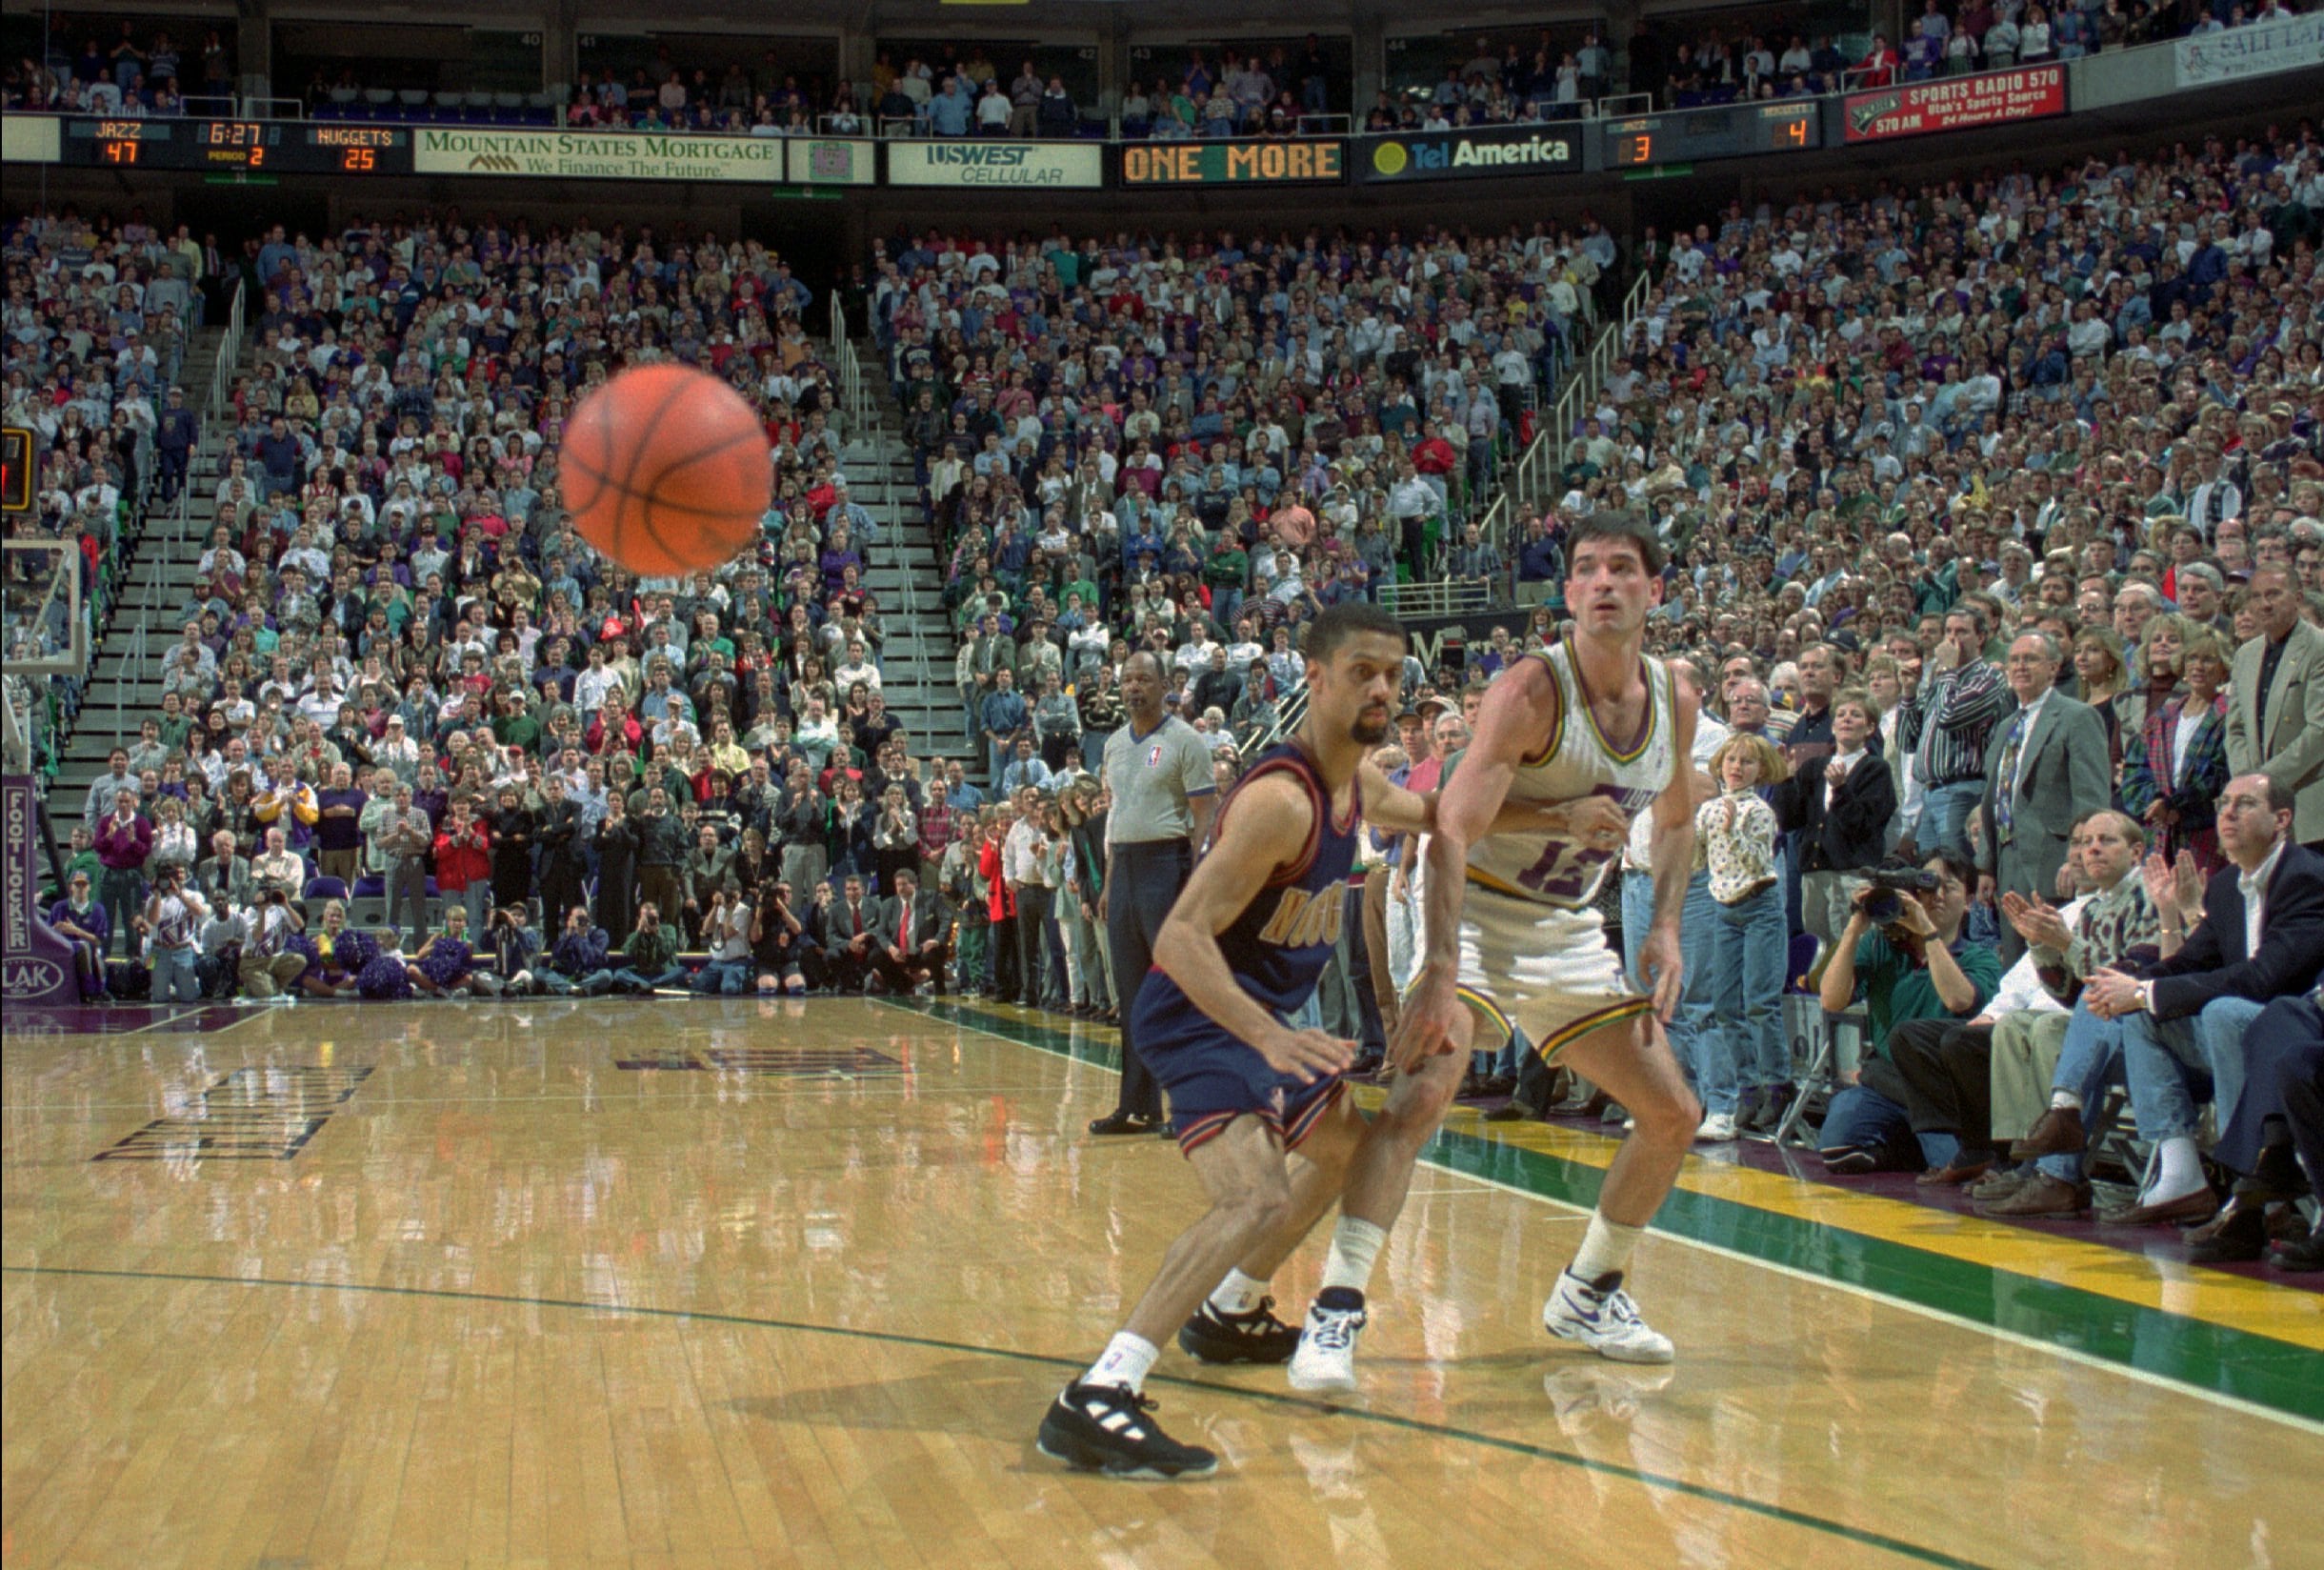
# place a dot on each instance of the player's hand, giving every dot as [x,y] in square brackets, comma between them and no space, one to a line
[1663,965]
[1424,1029]
[1307,1053]
[1592,822]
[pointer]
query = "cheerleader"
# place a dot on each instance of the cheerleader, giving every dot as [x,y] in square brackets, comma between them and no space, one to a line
[446,963]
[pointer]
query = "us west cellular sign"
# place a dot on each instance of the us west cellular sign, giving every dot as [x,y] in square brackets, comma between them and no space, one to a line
[597,156]
[998,166]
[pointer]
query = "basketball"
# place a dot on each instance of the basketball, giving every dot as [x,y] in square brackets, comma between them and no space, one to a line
[666,469]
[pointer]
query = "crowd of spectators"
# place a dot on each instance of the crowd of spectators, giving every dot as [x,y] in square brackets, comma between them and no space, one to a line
[1118,436]
[1929,462]
[1996,511]
[92,337]
[123,69]
[1275,89]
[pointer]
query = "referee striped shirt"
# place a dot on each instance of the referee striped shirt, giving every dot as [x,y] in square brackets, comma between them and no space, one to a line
[1958,714]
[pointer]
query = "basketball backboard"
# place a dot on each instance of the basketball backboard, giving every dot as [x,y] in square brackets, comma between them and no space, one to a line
[41,629]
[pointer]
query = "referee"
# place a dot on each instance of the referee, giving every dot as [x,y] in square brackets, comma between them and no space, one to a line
[1159,771]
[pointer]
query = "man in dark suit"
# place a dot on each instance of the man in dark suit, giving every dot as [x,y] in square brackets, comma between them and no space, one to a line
[913,926]
[2047,772]
[2274,1140]
[2260,937]
[848,935]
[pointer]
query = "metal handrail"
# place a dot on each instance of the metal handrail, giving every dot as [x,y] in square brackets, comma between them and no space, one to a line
[863,421]
[1529,479]
[1437,597]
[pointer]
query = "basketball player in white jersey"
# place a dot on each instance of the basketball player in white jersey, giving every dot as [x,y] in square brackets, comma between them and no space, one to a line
[1594,732]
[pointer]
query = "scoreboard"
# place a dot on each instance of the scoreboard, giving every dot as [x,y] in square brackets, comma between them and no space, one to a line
[252,147]
[19,469]
[1685,136]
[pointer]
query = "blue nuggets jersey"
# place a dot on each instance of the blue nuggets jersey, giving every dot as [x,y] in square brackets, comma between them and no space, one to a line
[1276,947]
[1280,945]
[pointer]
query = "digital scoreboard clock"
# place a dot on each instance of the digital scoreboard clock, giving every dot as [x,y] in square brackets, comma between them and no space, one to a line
[267,147]
[1685,136]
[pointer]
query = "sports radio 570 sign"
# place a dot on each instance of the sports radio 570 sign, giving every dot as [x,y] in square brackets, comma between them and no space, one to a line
[1959,102]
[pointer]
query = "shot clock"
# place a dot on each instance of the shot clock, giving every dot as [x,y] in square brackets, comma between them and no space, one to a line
[1686,136]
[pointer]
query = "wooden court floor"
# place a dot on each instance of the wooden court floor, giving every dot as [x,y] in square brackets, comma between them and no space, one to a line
[743,1284]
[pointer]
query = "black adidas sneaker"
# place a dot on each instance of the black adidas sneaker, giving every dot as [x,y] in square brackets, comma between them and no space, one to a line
[1104,1428]
[1258,1336]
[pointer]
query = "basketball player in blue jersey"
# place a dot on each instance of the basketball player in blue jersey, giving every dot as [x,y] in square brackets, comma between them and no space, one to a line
[1591,733]
[1238,955]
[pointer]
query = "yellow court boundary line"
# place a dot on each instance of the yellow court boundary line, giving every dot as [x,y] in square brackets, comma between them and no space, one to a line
[2278,1312]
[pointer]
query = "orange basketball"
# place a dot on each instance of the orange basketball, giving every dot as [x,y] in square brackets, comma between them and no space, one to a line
[666,469]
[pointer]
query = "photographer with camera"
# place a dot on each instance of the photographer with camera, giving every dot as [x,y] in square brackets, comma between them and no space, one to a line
[726,933]
[172,926]
[511,946]
[578,963]
[1903,953]
[269,966]
[650,959]
[780,945]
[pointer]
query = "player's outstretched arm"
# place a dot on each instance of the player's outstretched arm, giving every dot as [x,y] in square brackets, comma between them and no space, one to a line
[1518,711]
[1394,809]
[1267,815]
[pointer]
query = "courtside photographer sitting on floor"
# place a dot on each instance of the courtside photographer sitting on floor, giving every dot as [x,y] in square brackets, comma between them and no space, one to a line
[1904,955]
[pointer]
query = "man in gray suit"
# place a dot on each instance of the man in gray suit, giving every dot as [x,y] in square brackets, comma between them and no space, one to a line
[2275,707]
[2047,771]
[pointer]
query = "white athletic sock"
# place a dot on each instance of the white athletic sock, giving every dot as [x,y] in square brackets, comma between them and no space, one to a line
[1354,1245]
[1127,1359]
[2065,1100]
[1606,1248]
[2179,1171]
[1239,1293]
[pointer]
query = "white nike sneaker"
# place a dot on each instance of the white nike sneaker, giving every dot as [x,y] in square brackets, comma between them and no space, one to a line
[1601,1316]
[1717,1128]
[1325,1359]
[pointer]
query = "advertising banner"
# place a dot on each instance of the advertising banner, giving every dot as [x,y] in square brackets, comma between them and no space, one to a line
[597,154]
[1482,153]
[1257,162]
[1958,103]
[36,963]
[2259,49]
[998,166]
[30,139]
[832,161]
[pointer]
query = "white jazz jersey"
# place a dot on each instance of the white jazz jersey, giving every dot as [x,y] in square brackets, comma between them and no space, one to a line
[1576,760]
[1534,955]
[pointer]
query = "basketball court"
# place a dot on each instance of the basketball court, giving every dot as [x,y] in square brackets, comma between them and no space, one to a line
[751,1285]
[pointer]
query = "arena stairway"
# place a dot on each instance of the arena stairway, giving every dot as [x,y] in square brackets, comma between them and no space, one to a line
[908,576]
[125,675]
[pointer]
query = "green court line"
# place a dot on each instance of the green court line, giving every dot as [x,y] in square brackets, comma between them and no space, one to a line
[932,1343]
[2276,1375]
